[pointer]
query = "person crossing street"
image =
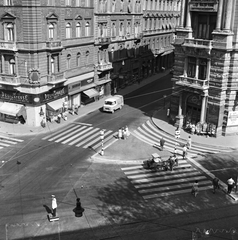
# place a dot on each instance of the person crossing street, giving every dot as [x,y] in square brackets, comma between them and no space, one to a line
[162,142]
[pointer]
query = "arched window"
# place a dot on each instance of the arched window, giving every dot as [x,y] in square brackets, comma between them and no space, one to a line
[78,30]
[68,30]
[10,32]
[78,59]
[51,30]
[87,57]
[68,61]
[87,29]
[113,5]
[114,29]
[121,29]
[12,66]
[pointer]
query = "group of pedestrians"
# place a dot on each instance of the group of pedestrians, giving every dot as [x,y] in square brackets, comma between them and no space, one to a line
[123,133]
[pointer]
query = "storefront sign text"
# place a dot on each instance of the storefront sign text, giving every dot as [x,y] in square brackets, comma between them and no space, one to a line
[14,97]
[54,95]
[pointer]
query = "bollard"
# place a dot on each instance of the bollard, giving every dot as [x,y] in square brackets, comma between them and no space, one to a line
[78,210]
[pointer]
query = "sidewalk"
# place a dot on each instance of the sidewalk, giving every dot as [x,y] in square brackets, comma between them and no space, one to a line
[160,119]
[8,129]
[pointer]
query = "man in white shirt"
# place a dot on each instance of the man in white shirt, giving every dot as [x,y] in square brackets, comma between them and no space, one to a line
[230,184]
[54,205]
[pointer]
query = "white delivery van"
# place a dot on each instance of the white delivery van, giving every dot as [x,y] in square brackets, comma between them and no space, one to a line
[113,103]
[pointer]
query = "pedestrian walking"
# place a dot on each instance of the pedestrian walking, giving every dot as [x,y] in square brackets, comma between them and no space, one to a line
[185,151]
[171,163]
[175,153]
[230,185]
[120,133]
[54,205]
[215,183]
[162,142]
[126,132]
[123,133]
[195,189]
[189,142]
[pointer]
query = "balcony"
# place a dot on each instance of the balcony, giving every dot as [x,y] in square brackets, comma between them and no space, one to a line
[11,80]
[103,40]
[198,43]
[4,45]
[192,83]
[56,78]
[54,44]
[104,66]
[204,5]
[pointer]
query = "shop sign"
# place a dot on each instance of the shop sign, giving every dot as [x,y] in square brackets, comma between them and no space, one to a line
[232,118]
[87,81]
[15,97]
[74,86]
[53,94]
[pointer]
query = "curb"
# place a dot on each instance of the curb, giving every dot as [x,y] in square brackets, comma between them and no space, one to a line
[196,143]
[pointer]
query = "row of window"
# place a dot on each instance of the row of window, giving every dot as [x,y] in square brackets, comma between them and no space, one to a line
[162,5]
[78,3]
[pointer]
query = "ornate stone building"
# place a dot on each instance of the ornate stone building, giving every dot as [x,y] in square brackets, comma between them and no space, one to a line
[47,58]
[205,75]
[134,39]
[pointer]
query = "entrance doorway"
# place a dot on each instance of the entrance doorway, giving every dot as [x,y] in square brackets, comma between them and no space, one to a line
[193,109]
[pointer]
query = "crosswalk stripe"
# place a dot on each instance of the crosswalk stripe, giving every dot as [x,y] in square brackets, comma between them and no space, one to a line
[96,139]
[84,136]
[11,139]
[70,134]
[139,182]
[162,183]
[175,192]
[4,145]
[88,139]
[56,135]
[105,140]
[53,134]
[76,135]
[180,185]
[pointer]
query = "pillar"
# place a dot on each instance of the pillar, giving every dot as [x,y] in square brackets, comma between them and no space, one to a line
[182,12]
[228,15]
[49,63]
[188,20]
[16,64]
[180,105]
[219,15]
[203,109]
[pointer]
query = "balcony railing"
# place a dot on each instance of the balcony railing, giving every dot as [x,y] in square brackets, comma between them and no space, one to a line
[198,43]
[103,40]
[192,82]
[56,78]
[204,5]
[53,44]
[104,66]
[8,45]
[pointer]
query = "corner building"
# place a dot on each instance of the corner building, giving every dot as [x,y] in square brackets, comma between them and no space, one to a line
[47,58]
[206,68]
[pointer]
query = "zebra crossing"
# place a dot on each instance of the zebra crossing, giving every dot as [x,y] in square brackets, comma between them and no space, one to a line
[150,134]
[8,141]
[151,184]
[81,135]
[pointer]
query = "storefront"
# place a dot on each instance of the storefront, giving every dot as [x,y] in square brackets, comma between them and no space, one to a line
[13,113]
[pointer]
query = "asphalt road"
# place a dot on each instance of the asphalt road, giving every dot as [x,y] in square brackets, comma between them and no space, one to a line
[38,168]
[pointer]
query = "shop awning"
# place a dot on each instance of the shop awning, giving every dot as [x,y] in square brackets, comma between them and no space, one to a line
[13,109]
[91,93]
[55,105]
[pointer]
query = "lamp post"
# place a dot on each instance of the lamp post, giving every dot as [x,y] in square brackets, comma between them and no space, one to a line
[102,139]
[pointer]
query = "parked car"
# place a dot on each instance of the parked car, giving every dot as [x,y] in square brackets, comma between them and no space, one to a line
[113,103]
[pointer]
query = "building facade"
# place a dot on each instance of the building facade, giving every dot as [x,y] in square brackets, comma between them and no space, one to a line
[57,55]
[47,58]
[205,71]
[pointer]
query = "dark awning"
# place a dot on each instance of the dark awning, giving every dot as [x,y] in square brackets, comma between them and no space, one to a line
[91,93]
